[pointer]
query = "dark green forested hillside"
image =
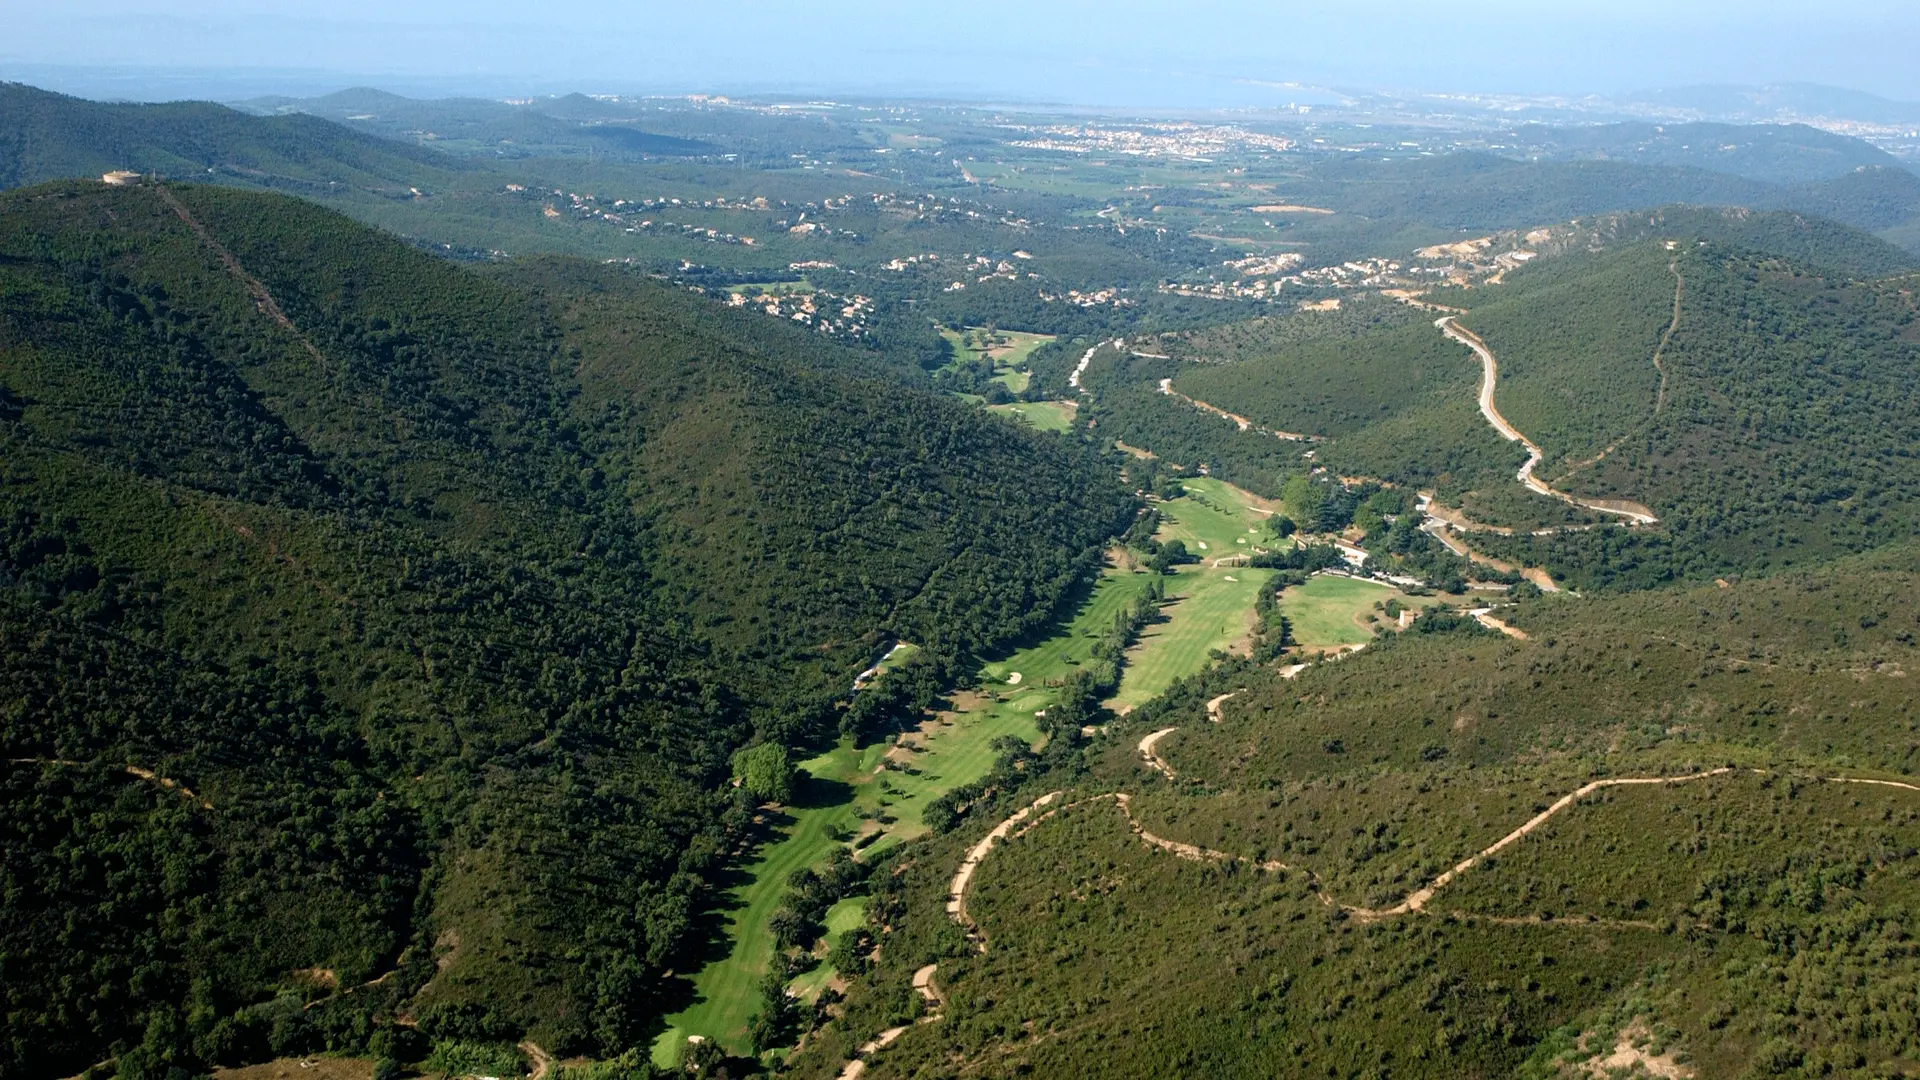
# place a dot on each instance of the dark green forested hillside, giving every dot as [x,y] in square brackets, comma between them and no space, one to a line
[1778,153]
[1480,191]
[1397,404]
[1775,429]
[45,135]
[1786,433]
[376,633]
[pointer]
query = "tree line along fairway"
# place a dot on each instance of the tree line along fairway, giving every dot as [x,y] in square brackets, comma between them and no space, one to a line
[953,749]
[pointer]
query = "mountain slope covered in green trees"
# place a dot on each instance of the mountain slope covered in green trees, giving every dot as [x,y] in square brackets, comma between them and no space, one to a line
[1747,919]
[376,632]
[1773,429]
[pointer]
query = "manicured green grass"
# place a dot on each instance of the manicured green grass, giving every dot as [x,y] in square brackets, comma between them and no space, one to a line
[1215,520]
[1044,415]
[1009,359]
[954,753]
[843,916]
[900,655]
[1207,609]
[1330,610]
[729,988]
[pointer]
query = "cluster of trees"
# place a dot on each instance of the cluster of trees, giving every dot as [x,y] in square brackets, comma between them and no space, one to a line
[897,699]
[797,926]
[1077,703]
[1305,558]
[1272,631]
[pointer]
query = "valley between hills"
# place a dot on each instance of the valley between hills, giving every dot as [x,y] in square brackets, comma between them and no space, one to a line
[631,588]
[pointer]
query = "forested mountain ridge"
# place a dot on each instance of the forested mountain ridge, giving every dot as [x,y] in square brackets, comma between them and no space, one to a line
[404,590]
[1471,190]
[1771,430]
[44,136]
[1777,153]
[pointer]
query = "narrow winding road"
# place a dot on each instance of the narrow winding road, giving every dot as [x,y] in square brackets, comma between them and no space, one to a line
[1024,820]
[1489,376]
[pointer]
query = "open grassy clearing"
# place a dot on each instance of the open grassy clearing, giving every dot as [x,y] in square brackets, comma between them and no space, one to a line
[1331,610]
[1009,350]
[1207,609]
[1043,415]
[1216,520]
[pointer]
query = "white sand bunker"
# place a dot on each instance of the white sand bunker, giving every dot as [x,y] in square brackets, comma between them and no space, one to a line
[1013,678]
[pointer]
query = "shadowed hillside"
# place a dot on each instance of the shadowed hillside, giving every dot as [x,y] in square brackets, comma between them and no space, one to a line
[469,584]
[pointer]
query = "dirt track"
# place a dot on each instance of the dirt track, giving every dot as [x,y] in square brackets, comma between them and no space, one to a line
[263,300]
[1244,424]
[957,889]
[148,775]
[1489,376]
[1415,902]
[1153,759]
[1482,617]
[1418,900]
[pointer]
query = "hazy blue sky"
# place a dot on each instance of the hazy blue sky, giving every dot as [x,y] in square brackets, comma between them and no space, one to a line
[1220,52]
